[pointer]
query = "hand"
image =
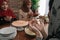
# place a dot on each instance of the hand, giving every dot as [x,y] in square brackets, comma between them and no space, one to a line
[8,18]
[35,30]
[39,26]
[30,14]
[35,26]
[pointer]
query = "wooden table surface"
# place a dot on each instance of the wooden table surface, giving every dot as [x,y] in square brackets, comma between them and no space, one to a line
[20,34]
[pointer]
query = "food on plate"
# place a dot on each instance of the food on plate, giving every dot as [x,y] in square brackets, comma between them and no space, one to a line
[29,32]
[20,23]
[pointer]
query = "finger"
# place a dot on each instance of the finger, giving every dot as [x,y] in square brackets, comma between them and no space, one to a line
[37,26]
[34,29]
[31,28]
[7,16]
[41,23]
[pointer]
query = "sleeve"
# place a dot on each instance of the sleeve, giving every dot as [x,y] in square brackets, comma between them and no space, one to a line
[50,4]
[20,14]
[12,14]
[9,12]
[58,32]
[38,38]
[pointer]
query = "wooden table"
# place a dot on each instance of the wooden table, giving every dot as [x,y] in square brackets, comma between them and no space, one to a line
[20,35]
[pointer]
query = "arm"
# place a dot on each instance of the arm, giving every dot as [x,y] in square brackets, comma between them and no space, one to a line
[20,14]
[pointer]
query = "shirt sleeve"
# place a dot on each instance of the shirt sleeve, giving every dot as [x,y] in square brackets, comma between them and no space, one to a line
[50,4]
[38,38]
[20,14]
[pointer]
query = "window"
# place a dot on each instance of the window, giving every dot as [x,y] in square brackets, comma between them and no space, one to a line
[43,7]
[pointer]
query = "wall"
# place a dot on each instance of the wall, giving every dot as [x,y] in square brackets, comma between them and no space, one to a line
[15,4]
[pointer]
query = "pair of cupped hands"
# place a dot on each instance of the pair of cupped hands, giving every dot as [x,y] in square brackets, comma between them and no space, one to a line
[7,18]
[36,27]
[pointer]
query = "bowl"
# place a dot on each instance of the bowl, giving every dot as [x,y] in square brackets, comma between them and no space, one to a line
[29,32]
[20,24]
[7,31]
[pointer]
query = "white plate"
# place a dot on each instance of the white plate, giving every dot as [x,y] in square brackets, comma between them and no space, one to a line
[7,30]
[9,37]
[12,30]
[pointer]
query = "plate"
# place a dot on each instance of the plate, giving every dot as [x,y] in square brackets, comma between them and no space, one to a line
[12,36]
[6,31]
